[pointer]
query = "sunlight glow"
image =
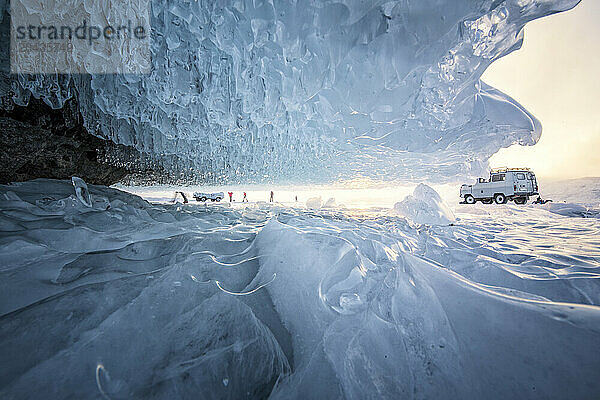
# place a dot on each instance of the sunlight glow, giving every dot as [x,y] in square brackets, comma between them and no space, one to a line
[555,76]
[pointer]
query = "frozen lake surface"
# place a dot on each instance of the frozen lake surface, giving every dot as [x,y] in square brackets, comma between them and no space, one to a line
[128,299]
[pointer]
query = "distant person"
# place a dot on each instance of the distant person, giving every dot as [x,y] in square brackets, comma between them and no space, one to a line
[185,200]
[245,199]
[296,198]
[271,198]
[230,196]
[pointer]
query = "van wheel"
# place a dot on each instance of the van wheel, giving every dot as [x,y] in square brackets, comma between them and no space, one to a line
[499,198]
[202,198]
[487,201]
[520,200]
[218,199]
[469,199]
[213,200]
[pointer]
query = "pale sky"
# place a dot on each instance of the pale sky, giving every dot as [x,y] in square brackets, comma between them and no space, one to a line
[556,76]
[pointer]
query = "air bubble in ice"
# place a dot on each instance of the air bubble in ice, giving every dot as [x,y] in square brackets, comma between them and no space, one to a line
[350,303]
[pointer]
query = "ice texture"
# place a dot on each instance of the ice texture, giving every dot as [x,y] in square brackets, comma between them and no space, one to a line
[311,90]
[425,206]
[127,299]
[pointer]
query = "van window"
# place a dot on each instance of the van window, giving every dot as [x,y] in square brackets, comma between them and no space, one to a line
[497,178]
[520,176]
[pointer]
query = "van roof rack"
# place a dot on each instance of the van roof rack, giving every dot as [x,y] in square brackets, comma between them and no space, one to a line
[506,169]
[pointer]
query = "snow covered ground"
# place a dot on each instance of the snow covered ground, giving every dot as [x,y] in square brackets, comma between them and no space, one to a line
[122,298]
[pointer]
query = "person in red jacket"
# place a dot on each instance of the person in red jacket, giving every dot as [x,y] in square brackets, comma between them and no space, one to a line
[230,196]
[244,199]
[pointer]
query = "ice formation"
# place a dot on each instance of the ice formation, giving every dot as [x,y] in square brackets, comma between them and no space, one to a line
[330,203]
[314,202]
[425,206]
[317,202]
[81,191]
[127,299]
[311,90]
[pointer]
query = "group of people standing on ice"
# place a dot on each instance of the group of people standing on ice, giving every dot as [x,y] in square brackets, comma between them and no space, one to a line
[245,198]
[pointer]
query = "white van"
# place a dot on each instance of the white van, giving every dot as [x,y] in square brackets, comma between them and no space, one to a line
[516,184]
[199,196]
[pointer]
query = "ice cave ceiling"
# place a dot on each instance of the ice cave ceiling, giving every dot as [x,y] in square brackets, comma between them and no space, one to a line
[310,90]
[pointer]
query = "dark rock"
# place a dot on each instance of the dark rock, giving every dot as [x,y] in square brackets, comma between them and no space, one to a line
[37,141]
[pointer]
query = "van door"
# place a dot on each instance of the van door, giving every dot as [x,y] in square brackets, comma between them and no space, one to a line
[522,184]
